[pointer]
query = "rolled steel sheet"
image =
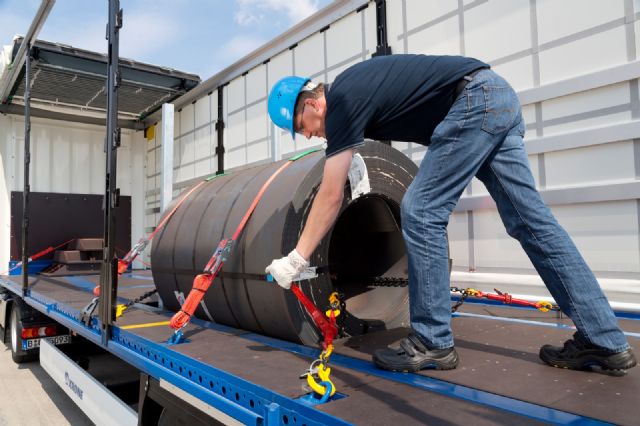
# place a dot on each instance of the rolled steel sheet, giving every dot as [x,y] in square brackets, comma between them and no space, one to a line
[365,243]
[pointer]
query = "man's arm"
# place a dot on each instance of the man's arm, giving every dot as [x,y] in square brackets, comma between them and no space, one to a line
[327,202]
[324,211]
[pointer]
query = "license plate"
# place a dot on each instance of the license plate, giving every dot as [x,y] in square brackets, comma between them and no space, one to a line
[56,340]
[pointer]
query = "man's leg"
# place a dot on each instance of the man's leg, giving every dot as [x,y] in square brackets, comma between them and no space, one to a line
[571,282]
[459,146]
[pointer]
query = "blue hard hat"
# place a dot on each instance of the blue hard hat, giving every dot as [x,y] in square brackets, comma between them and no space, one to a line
[282,101]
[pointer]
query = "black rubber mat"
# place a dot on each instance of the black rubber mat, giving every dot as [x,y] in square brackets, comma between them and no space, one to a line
[502,358]
[370,400]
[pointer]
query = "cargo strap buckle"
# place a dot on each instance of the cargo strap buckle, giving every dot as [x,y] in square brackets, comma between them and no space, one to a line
[87,311]
[177,337]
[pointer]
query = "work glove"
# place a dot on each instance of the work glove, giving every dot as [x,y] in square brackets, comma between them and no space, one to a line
[285,269]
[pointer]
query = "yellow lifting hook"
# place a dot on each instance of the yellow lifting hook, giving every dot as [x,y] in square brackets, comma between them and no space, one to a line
[318,374]
[322,372]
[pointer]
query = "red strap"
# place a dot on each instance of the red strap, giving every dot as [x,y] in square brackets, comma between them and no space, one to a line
[508,299]
[128,258]
[38,254]
[328,329]
[213,266]
[174,209]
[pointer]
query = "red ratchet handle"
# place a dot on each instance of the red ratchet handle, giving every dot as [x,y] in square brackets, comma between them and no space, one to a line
[330,331]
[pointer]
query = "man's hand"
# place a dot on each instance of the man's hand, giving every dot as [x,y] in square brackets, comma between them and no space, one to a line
[284,270]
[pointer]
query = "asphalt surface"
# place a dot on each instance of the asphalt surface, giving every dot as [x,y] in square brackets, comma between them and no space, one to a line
[30,397]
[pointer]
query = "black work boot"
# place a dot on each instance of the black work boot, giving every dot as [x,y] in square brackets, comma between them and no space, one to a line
[413,355]
[578,354]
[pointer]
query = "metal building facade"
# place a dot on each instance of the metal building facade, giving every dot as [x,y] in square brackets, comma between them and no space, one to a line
[574,65]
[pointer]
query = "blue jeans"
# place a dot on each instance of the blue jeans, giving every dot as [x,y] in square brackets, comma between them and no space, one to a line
[482,136]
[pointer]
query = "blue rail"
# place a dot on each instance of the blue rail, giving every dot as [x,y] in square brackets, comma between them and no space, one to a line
[238,398]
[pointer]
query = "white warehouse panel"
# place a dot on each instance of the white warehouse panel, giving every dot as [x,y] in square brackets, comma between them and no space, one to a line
[557,19]
[519,73]
[258,142]
[203,136]
[440,38]
[67,157]
[458,231]
[203,151]
[309,57]
[7,176]
[532,43]
[493,247]
[591,165]
[529,116]
[256,112]
[370,26]
[280,66]
[593,53]
[497,28]
[202,111]
[184,143]
[345,40]
[257,84]
[396,23]
[605,233]
[597,107]
[234,95]
[589,120]
[637,31]
[420,12]
[234,138]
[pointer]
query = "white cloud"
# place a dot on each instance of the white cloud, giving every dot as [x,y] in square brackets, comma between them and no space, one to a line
[253,11]
[239,46]
[144,34]
[138,39]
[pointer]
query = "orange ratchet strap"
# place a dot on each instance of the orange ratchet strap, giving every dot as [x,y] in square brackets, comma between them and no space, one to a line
[202,282]
[123,264]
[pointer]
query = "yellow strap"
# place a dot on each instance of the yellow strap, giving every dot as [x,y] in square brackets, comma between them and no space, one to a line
[149,324]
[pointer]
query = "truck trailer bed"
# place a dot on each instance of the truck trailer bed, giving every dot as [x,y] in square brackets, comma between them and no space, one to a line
[254,378]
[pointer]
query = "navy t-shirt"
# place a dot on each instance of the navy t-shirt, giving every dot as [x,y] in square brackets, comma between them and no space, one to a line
[395,97]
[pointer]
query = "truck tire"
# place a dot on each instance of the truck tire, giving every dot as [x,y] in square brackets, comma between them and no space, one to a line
[18,354]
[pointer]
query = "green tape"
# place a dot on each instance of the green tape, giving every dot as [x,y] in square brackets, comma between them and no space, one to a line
[214,176]
[303,154]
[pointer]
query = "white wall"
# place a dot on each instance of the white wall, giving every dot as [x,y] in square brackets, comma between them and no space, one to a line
[247,132]
[535,44]
[575,66]
[66,157]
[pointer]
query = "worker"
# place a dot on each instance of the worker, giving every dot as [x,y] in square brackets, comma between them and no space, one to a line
[471,121]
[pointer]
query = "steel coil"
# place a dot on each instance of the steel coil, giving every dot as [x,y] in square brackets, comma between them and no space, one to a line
[364,245]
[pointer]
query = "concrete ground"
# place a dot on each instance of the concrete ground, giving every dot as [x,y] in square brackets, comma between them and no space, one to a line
[28,396]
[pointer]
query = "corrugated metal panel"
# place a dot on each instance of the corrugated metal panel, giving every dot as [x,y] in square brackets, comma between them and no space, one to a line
[67,158]
[547,42]
[7,176]
[581,129]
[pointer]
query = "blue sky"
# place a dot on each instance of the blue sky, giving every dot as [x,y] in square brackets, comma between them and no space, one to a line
[198,36]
